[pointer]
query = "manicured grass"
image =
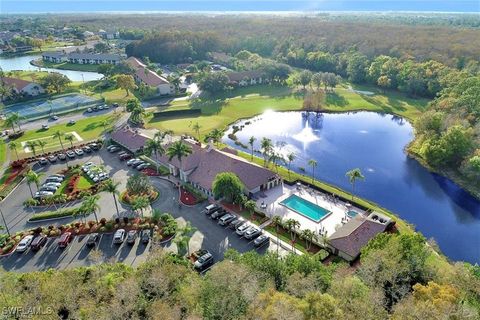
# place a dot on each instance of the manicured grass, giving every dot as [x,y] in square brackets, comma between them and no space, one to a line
[89,129]
[247,102]
[83,183]
[3,151]
[27,75]
[69,66]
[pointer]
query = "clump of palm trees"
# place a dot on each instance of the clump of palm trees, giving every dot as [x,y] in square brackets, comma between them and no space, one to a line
[178,150]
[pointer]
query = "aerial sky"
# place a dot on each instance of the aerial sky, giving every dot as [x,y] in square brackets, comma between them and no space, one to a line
[41,6]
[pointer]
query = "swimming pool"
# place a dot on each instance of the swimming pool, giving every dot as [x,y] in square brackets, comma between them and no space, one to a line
[305,208]
[352,214]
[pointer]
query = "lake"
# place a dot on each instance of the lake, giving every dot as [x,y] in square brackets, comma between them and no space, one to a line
[23,63]
[375,143]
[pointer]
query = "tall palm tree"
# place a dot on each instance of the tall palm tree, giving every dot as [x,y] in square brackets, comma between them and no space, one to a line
[292,225]
[178,150]
[33,177]
[140,203]
[11,120]
[215,135]
[32,145]
[59,134]
[308,235]
[42,144]
[354,175]
[69,137]
[196,127]
[290,158]
[267,147]
[312,163]
[13,146]
[251,142]
[277,221]
[154,146]
[90,204]
[186,233]
[112,187]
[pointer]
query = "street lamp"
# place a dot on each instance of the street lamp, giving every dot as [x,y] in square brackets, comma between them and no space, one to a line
[5,223]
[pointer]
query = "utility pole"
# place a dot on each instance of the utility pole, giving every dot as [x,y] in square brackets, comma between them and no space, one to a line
[5,223]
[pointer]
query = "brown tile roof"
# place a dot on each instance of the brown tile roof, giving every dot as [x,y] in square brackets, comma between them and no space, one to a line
[206,163]
[239,76]
[146,75]
[129,139]
[352,236]
[18,84]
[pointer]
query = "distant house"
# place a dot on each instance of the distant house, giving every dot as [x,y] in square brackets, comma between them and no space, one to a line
[81,58]
[247,78]
[130,139]
[204,163]
[350,238]
[23,87]
[150,78]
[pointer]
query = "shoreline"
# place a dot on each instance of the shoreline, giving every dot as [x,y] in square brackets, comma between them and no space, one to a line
[40,64]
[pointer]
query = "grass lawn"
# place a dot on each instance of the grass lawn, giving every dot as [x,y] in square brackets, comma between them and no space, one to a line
[250,101]
[83,183]
[3,151]
[69,66]
[27,75]
[88,129]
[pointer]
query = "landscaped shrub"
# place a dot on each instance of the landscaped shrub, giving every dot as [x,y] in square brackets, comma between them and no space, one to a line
[103,221]
[54,214]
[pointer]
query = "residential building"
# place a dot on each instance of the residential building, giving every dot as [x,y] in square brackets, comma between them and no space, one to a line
[150,78]
[204,163]
[82,58]
[23,87]
[131,139]
[247,78]
[351,237]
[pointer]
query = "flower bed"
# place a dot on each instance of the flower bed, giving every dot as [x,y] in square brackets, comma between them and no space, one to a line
[11,178]
[151,172]
[55,214]
[187,198]
[127,198]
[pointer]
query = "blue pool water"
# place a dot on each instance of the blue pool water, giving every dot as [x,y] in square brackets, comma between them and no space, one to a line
[305,208]
[375,143]
[352,214]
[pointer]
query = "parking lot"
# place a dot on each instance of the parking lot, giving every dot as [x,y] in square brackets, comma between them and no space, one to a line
[208,235]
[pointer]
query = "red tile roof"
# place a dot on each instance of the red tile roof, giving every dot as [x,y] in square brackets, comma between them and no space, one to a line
[18,84]
[129,139]
[146,75]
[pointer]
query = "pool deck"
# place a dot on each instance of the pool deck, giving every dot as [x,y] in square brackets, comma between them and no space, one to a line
[272,198]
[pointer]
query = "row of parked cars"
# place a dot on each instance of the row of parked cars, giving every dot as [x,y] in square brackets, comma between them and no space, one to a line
[49,186]
[101,107]
[77,152]
[94,172]
[131,236]
[123,155]
[242,228]
[37,242]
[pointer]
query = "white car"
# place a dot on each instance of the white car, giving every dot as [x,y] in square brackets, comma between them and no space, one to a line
[119,236]
[52,184]
[242,229]
[79,152]
[24,244]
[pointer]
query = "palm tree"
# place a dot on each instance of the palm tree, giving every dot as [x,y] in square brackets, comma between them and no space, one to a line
[290,158]
[277,221]
[196,127]
[312,163]
[154,146]
[308,235]
[267,146]
[32,145]
[59,134]
[251,141]
[292,225]
[13,146]
[42,144]
[215,135]
[33,177]
[14,119]
[179,150]
[112,187]
[90,204]
[353,175]
[69,138]
[250,206]
[186,233]
[137,114]
[140,203]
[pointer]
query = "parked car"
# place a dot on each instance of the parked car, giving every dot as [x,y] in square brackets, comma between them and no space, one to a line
[236,223]
[79,152]
[114,105]
[24,244]
[65,239]
[42,194]
[92,239]
[48,188]
[71,122]
[53,178]
[241,229]
[58,175]
[136,164]
[52,184]
[54,118]
[145,237]
[86,166]
[124,157]
[89,110]
[94,146]
[119,236]
[70,154]
[62,156]
[95,108]
[87,149]
[38,242]
[225,220]
[252,233]
[142,166]
[218,214]
[45,127]
[52,158]
[131,236]
[211,208]
[114,149]
[261,240]
[204,262]
[132,161]
[42,161]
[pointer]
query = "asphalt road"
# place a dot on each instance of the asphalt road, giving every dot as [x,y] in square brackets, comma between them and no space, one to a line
[208,235]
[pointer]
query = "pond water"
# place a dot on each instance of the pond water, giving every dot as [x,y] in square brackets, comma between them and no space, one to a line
[23,63]
[375,143]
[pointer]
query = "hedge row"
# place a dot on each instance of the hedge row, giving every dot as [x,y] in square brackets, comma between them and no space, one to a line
[174,113]
[54,214]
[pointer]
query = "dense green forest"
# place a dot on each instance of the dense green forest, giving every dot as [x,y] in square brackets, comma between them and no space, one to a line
[395,281]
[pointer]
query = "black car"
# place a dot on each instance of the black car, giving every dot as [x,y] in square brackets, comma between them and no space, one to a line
[94,146]
[92,239]
[38,242]
[235,222]
[218,214]
[145,237]
[204,262]
[261,240]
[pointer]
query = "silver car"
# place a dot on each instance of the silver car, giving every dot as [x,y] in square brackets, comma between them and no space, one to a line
[241,230]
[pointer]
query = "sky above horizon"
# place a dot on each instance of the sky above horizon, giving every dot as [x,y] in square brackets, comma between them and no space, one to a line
[57,6]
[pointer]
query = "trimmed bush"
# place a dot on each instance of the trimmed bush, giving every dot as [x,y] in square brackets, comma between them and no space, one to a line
[54,214]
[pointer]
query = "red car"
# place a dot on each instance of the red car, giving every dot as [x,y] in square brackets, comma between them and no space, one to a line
[65,239]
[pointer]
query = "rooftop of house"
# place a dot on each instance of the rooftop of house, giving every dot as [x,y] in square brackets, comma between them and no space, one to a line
[355,234]
[146,75]
[206,162]
[129,138]
[18,84]
[239,76]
